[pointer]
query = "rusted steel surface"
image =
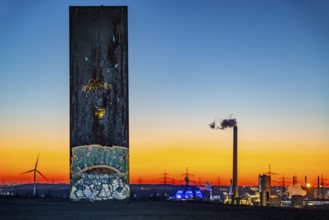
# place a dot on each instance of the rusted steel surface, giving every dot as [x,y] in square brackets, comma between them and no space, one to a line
[98,76]
[99,139]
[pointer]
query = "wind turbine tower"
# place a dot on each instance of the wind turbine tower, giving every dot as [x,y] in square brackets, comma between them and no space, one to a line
[35,171]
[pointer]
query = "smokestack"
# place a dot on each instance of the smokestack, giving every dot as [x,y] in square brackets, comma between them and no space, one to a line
[318,187]
[235,165]
[305,182]
[294,180]
[229,123]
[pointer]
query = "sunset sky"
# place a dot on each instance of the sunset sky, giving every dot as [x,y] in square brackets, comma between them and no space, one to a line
[266,63]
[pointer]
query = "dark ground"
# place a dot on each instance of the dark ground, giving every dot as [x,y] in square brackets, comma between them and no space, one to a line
[28,208]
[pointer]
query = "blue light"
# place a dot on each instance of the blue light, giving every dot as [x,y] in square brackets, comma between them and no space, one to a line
[189,193]
[179,194]
[198,194]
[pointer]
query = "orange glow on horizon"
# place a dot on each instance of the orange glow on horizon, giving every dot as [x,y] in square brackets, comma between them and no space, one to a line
[150,157]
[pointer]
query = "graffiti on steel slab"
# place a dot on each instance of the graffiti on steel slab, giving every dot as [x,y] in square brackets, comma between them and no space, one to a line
[99,173]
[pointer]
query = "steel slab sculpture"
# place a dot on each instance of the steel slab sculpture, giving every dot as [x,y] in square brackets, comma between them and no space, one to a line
[99,134]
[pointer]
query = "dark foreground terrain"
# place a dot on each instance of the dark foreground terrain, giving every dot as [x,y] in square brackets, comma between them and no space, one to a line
[28,208]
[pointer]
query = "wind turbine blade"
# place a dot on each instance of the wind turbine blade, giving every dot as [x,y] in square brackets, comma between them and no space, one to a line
[36,163]
[27,172]
[42,175]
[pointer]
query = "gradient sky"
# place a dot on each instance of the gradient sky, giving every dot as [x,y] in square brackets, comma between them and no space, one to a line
[190,62]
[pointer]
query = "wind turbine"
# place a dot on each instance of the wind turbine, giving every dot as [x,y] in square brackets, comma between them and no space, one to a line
[35,171]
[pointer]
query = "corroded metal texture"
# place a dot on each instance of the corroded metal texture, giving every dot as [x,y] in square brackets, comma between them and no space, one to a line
[99,76]
[99,102]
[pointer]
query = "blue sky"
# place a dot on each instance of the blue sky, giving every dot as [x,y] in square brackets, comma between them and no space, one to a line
[213,57]
[265,62]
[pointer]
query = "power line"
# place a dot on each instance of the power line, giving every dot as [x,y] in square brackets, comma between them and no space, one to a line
[165,177]
[173,181]
[186,178]
[218,181]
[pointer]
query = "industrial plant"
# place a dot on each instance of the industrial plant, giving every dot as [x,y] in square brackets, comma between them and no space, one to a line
[272,190]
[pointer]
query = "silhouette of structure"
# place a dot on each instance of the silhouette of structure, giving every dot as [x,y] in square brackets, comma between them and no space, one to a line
[235,194]
[187,177]
[264,188]
[188,192]
[165,177]
[35,171]
[173,181]
[229,123]
[321,187]
[269,172]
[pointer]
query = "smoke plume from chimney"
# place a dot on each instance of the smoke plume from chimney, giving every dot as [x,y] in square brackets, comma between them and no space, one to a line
[226,123]
[231,123]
